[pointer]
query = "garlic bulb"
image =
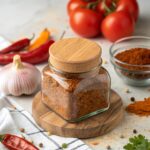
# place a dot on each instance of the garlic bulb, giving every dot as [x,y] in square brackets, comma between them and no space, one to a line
[19,78]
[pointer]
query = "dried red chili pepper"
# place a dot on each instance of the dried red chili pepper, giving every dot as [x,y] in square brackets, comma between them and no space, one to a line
[16,46]
[13,142]
[36,56]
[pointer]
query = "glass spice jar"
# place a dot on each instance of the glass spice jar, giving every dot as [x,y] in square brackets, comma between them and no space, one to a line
[74,82]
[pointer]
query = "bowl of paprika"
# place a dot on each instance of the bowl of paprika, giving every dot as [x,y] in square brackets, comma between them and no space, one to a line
[130,57]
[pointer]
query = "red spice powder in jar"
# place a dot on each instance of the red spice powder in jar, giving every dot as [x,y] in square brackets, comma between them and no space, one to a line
[74,84]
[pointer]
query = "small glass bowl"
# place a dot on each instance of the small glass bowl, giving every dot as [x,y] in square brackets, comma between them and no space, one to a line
[135,75]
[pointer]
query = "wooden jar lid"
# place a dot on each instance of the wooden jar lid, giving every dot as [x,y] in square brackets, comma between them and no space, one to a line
[75,55]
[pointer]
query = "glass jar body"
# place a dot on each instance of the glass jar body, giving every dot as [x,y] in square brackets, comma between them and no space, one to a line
[76,96]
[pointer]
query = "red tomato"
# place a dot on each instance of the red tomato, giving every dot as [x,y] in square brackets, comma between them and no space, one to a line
[101,6]
[74,4]
[117,25]
[86,22]
[130,6]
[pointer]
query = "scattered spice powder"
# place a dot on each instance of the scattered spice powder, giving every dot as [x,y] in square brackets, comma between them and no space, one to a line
[22,130]
[48,133]
[105,61]
[95,143]
[141,108]
[127,90]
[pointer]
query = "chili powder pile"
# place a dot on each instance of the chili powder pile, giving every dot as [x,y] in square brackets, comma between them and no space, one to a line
[135,56]
[141,108]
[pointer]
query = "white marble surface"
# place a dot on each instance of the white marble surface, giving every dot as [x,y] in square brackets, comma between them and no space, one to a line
[20,18]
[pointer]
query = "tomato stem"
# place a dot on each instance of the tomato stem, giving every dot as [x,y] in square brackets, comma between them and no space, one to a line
[114,4]
[106,7]
[92,5]
[109,10]
[1,138]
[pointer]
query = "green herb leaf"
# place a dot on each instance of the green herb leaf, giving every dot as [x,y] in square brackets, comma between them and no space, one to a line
[138,143]
[64,145]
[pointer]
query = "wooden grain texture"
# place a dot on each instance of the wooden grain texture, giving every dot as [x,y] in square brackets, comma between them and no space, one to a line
[92,127]
[75,55]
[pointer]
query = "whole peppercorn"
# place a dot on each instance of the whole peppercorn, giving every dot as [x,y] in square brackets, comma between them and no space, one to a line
[41,145]
[121,136]
[108,147]
[132,99]
[135,131]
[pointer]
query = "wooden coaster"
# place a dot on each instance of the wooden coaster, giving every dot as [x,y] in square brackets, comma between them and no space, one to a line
[91,127]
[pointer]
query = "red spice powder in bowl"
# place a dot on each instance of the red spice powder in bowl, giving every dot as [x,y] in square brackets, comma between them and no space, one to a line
[131,60]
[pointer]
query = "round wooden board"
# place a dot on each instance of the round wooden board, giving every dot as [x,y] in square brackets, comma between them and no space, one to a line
[91,127]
